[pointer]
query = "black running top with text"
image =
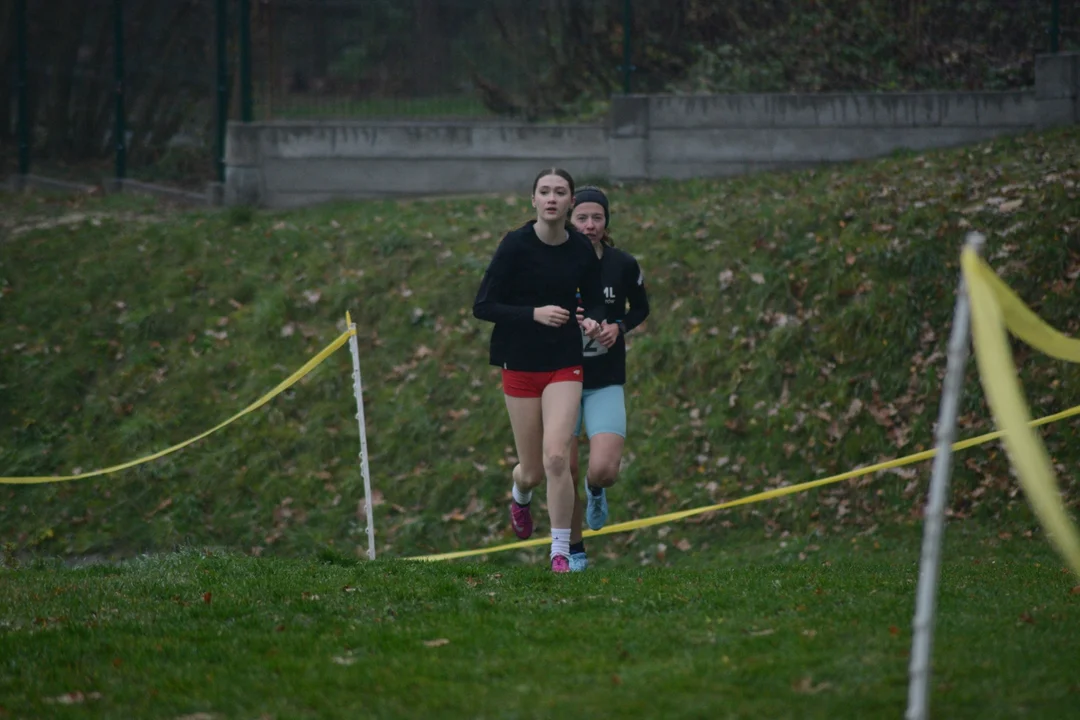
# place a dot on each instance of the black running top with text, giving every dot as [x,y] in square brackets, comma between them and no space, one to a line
[622,281]
[526,273]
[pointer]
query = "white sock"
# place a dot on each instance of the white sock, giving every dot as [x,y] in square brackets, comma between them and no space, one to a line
[521,498]
[560,542]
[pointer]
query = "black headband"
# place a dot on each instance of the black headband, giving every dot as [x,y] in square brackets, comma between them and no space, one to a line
[593,194]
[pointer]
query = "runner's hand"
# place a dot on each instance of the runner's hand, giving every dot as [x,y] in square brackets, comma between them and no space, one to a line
[551,315]
[580,315]
[609,333]
[590,327]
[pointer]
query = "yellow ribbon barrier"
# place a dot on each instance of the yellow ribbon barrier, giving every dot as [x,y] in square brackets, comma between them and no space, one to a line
[993,307]
[757,497]
[282,387]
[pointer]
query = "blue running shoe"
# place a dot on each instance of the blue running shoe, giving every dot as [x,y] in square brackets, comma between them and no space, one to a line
[597,512]
[578,562]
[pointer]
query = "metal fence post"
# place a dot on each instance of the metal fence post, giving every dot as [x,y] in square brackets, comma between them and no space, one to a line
[21,31]
[627,32]
[222,83]
[246,111]
[121,120]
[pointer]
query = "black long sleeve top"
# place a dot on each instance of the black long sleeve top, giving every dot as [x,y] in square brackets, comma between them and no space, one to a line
[623,281]
[525,273]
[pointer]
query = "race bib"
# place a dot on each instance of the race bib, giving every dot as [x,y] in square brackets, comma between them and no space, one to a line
[591,346]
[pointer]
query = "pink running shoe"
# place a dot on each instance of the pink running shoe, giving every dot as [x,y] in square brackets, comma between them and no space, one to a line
[560,564]
[521,520]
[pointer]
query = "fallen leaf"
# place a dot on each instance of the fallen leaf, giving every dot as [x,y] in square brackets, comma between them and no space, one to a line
[1010,206]
[161,506]
[73,698]
[196,716]
[684,545]
[437,643]
[343,660]
[288,330]
[758,278]
[616,680]
[761,633]
[206,598]
[806,685]
[376,501]
[893,630]
[1075,590]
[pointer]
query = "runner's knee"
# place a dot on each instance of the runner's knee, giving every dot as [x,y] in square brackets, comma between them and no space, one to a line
[529,478]
[603,471]
[556,462]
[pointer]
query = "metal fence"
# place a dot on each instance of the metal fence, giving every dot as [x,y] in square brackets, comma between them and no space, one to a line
[142,88]
[110,88]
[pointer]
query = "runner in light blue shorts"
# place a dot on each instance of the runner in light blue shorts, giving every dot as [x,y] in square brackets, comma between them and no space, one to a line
[603,402]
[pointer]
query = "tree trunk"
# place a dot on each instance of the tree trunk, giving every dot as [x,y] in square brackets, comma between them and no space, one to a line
[429,50]
[320,58]
[93,106]
[8,94]
[67,38]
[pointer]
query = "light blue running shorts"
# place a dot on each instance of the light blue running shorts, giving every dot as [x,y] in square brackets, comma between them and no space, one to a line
[604,411]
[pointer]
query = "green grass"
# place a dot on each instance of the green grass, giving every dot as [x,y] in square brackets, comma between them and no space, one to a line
[798,330]
[759,632]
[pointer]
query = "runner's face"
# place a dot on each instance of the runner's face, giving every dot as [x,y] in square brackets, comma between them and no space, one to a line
[552,198]
[588,218]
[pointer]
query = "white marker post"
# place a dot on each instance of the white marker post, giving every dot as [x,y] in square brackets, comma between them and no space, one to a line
[922,640]
[358,389]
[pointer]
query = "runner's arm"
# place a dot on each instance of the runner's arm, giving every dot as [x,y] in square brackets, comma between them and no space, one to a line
[490,303]
[638,297]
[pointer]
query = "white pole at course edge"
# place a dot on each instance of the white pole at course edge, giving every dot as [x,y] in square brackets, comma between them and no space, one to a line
[358,389]
[922,639]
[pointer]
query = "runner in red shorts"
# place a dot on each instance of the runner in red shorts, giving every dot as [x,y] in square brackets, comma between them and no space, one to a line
[530,292]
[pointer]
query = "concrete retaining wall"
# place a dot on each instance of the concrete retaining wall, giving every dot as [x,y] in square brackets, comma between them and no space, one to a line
[289,164]
[284,164]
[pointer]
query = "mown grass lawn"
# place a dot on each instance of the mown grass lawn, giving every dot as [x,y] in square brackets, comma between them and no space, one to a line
[805,630]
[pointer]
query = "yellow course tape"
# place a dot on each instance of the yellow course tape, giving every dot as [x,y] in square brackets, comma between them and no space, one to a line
[993,306]
[282,387]
[993,303]
[750,499]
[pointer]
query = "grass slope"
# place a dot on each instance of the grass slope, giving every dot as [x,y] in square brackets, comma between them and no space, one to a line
[761,634]
[798,329]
